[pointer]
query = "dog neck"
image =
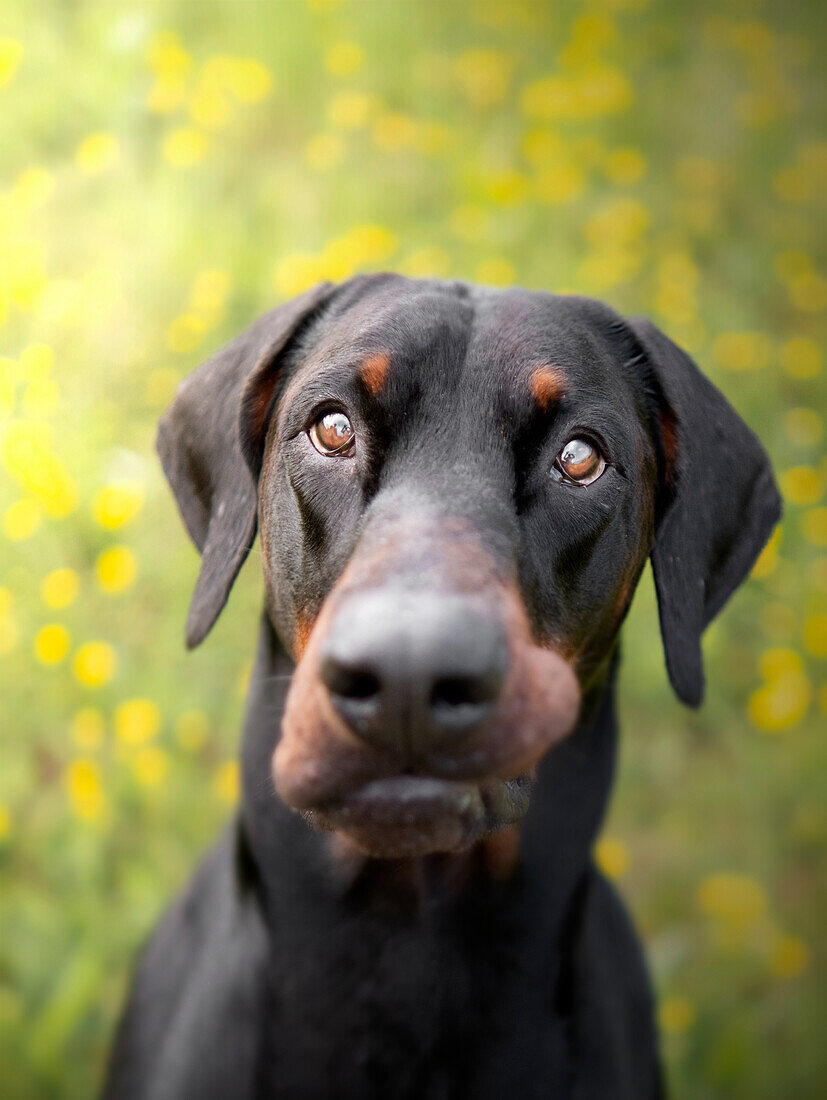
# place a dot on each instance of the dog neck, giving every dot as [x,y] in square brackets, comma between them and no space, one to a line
[547,853]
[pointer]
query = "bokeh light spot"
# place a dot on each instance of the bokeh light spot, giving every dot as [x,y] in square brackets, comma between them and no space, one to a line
[94,664]
[136,721]
[51,644]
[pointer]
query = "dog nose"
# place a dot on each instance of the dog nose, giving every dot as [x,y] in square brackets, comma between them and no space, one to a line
[406,671]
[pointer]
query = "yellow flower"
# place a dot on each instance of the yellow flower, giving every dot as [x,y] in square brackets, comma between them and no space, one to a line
[26,453]
[192,729]
[768,558]
[59,588]
[87,728]
[801,485]
[185,333]
[394,131]
[808,292]
[295,272]
[598,90]
[495,272]
[803,426]
[351,110]
[21,519]
[788,957]
[137,721]
[96,153]
[612,857]
[226,782]
[11,53]
[625,166]
[507,187]
[801,358]
[344,58]
[171,64]
[559,183]
[742,350]
[51,644]
[166,56]
[791,263]
[736,900]
[361,246]
[150,766]
[86,794]
[815,635]
[209,291]
[94,664]
[814,526]
[785,698]
[245,78]
[5,822]
[676,1015]
[117,504]
[541,146]
[116,569]
[184,146]
[621,221]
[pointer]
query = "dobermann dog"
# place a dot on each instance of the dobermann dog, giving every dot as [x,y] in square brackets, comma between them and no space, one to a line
[456,489]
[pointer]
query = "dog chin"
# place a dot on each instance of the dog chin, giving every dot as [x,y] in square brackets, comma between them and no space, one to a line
[406,816]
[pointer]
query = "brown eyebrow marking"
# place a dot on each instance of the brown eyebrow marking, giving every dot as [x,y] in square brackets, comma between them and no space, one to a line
[374,370]
[548,385]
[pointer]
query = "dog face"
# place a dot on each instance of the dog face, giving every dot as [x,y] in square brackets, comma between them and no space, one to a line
[456,490]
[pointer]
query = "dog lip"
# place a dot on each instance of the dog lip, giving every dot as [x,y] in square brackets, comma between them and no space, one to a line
[406,815]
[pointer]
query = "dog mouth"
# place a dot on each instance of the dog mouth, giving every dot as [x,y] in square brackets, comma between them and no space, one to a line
[408,815]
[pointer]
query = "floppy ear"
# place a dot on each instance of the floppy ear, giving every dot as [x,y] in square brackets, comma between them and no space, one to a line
[198,442]
[720,506]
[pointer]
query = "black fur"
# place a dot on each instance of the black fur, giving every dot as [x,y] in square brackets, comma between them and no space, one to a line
[276,975]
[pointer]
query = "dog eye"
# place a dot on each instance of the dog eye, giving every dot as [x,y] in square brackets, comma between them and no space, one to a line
[333,435]
[579,461]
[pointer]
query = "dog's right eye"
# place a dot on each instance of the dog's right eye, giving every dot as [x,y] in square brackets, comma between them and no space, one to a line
[333,436]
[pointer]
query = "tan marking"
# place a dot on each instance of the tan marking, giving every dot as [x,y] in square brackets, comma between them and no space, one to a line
[301,633]
[548,385]
[373,371]
[501,853]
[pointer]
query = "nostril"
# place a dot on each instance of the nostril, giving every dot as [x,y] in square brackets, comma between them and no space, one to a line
[359,684]
[467,696]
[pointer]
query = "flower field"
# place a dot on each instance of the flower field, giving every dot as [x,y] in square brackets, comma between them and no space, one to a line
[169,170]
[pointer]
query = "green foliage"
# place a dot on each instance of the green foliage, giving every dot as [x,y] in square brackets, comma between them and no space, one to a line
[168,171]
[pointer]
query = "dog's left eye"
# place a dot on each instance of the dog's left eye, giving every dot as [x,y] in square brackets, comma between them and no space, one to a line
[333,436]
[579,461]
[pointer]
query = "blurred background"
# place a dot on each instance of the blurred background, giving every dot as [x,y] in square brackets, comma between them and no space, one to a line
[168,170]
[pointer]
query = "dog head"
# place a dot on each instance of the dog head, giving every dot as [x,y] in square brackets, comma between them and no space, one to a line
[456,490]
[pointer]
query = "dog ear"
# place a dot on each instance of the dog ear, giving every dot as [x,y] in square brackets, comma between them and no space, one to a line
[198,442]
[719,506]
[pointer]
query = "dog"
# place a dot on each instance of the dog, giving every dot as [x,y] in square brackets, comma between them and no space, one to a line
[456,489]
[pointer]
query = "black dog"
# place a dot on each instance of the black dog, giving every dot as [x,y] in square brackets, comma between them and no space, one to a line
[456,490]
